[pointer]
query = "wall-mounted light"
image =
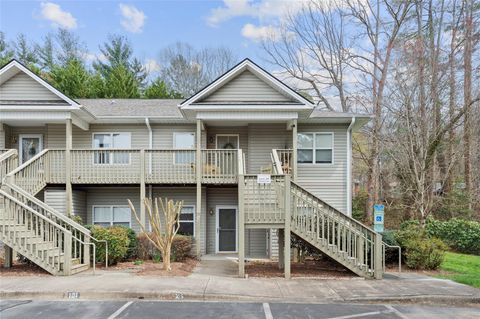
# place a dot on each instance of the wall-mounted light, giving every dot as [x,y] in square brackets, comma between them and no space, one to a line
[14,139]
[210,211]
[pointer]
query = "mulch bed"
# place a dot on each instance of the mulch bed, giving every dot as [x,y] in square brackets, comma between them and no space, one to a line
[150,268]
[19,269]
[310,268]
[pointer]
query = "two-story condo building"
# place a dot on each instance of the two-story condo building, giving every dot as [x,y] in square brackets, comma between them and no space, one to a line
[252,159]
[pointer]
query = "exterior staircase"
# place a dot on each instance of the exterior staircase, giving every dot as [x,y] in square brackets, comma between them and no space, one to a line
[30,227]
[288,205]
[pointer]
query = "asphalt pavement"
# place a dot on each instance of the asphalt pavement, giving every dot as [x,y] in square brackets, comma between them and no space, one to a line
[82,309]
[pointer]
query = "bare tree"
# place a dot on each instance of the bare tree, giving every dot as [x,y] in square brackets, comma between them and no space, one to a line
[164,225]
[187,70]
[312,47]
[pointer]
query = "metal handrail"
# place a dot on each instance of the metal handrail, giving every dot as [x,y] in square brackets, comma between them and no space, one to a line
[384,244]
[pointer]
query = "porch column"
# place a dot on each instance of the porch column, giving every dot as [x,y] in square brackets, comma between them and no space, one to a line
[294,149]
[198,170]
[68,167]
[288,220]
[7,263]
[142,188]
[241,226]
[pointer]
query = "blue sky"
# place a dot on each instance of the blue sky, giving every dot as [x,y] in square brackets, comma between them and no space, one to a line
[150,25]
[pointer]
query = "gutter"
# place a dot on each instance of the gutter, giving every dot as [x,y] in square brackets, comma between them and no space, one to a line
[349,167]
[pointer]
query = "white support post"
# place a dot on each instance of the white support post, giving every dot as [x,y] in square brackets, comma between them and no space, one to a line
[68,168]
[198,170]
[8,261]
[241,226]
[287,255]
[294,149]
[378,257]
[142,188]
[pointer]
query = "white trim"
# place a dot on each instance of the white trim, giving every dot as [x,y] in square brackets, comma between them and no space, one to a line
[228,135]
[262,74]
[217,231]
[314,148]
[349,167]
[193,221]
[19,66]
[111,213]
[22,136]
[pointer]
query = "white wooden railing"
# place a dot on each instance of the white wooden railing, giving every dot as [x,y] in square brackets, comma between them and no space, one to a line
[282,161]
[220,166]
[35,236]
[264,203]
[170,166]
[8,162]
[32,175]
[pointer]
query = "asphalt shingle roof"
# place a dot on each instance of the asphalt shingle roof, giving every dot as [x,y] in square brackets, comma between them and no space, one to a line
[133,107]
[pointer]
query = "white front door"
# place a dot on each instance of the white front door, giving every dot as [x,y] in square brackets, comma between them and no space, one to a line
[29,145]
[226,238]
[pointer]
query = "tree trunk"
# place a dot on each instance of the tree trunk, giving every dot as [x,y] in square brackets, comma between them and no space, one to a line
[467,96]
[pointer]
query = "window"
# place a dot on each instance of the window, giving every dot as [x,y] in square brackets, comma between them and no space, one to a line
[187,221]
[315,148]
[184,140]
[111,216]
[111,141]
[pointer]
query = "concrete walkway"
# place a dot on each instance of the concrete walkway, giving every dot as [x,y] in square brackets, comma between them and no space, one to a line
[120,285]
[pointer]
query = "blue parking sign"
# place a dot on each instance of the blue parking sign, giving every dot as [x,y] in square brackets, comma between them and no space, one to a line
[378,216]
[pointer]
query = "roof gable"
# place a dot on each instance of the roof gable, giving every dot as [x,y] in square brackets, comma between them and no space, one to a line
[19,85]
[246,83]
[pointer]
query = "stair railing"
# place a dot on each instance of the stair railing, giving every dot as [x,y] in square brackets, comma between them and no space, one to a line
[43,227]
[8,162]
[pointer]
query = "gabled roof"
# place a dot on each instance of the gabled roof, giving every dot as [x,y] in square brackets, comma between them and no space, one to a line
[13,67]
[201,97]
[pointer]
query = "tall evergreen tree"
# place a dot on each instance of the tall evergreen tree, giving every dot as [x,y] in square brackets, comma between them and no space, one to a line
[120,82]
[69,47]
[6,53]
[45,52]
[158,89]
[24,52]
[73,79]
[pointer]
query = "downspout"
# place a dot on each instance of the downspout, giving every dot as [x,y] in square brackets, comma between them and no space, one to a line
[349,167]
[150,146]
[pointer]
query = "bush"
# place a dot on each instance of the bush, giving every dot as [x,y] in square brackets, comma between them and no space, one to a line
[117,239]
[459,234]
[181,248]
[391,254]
[420,250]
[132,245]
[359,202]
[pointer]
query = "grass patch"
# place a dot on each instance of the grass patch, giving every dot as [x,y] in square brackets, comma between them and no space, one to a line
[461,268]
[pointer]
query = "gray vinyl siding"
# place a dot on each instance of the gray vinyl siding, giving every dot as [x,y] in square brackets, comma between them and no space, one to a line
[246,87]
[3,143]
[262,138]
[327,181]
[56,198]
[189,197]
[22,87]
[113,196]
[255,239]
[163,134]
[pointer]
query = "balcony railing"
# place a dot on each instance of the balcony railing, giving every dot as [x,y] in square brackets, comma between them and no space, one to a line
[282,161]
[126,166]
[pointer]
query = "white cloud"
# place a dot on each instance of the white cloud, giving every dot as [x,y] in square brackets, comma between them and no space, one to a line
[263,9]
[93,57]
[133,19]
[258,33]
[152,66]
[59,18]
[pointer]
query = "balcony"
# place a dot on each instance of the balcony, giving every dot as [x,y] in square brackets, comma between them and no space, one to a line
[130,166]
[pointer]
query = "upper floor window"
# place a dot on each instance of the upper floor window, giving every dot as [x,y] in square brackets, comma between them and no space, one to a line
[315,148]
[111,141]
[111,216]
[184,141]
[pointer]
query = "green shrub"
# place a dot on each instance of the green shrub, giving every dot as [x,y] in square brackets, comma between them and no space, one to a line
[132,245]
[459,234]
[117,239]
[181,247]
[359,202]
[419,250]
[391,254]
[145,249]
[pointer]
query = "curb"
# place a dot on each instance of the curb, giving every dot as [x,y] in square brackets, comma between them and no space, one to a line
[179,296]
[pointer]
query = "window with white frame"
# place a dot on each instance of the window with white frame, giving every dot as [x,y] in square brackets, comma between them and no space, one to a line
[112,216]
[315,148]
[184,141]
[111,141]
[187,221]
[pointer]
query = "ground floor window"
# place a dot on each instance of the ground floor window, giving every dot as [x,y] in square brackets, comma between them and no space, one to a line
[112,216]
[187,221]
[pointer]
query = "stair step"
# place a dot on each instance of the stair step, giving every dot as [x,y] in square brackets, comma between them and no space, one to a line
[75,269]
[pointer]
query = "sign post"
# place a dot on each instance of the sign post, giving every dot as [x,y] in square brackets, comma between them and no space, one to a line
[378,217]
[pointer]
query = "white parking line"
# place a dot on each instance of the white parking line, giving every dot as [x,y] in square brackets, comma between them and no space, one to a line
[395,311]
[120,310]
[358,315]
[267,311]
